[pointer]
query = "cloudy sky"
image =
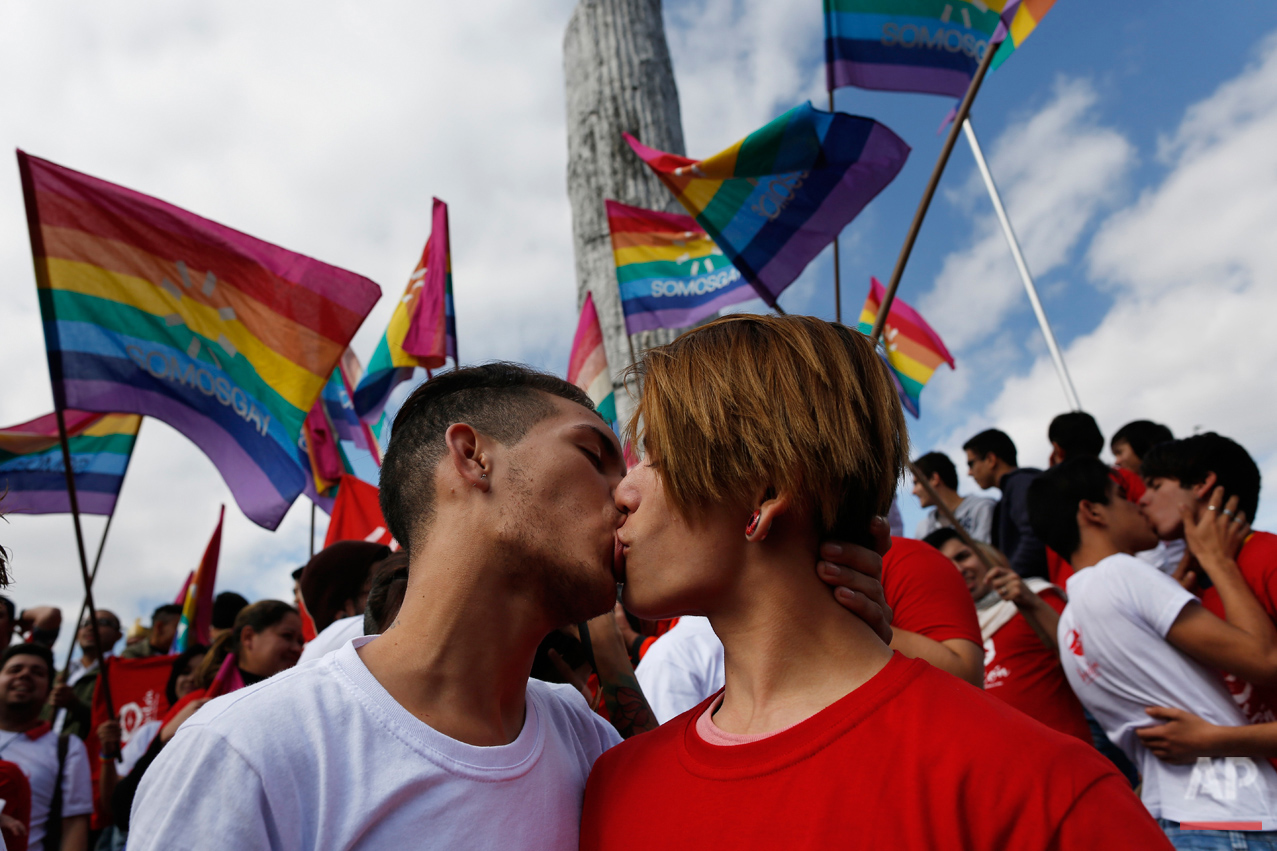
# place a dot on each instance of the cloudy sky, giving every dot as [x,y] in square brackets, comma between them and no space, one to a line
[1135,154]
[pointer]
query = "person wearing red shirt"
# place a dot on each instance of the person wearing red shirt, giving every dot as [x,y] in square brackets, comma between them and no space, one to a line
[763,435]
[1018,620]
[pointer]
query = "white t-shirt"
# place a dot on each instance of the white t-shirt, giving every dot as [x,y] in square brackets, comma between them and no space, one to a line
[1113,647]
[38,759]
[322,757]
[681,668]
[975,513]
[336,634]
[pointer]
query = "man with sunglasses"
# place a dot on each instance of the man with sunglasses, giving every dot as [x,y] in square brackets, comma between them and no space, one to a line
[71,702]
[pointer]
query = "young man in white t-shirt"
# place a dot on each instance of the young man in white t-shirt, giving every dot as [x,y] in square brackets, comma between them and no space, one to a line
[25,675]
[1131,637]
[500,481]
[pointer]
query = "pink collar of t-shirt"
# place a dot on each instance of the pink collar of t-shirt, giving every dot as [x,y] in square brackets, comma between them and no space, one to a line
[712,735]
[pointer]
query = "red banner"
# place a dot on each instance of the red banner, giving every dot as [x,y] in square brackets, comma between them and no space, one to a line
[357,515]
[137,689]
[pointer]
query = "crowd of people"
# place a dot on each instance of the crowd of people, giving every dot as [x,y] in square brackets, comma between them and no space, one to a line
[723,643]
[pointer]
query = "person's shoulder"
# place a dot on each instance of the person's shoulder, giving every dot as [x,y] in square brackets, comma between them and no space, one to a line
[976,504]
[1259,550]
[259,710]
[655,747]
[988,734]
[567,710]
[908,556]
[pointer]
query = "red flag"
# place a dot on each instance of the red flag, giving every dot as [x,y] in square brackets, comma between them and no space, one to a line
[138,689]
[197,613]
[357,515]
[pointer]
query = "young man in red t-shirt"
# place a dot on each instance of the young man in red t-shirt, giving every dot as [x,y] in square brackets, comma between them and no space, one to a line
[1018,620]
[1181,475]
[763,435]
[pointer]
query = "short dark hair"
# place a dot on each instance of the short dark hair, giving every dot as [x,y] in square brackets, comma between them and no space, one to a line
[1054,497]
[166,612]
[1190,459]
[226,606]
[938,464]
[29,648]
[179,667]
[389,583]
[501,400]
[1141,436]
[297,574]
[8,604]
[995,441]
[1077,434]
[336,575]
[941,536]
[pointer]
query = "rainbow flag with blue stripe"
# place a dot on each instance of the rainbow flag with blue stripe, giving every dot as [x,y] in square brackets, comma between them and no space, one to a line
[911,349]
[671,274]
[149,309]
[33,476]
[423,328]
[926,46]
[333,427]
[776,198]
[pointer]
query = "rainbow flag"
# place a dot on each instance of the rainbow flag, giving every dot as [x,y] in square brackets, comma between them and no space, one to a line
[670,272]
[912,349]
[422,330]
[1019,19]
[331,425]
[150,309]
[197,609]
[775,199]
[587,365]
[929,46]
[33,477]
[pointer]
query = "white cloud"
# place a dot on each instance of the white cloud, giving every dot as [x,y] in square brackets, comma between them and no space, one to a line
[1056,170]
[1193,268]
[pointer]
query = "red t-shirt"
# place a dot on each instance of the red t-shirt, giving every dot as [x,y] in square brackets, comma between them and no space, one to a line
[926,593]
[913,760]
[1021,670]
[15,790]
[1258,563]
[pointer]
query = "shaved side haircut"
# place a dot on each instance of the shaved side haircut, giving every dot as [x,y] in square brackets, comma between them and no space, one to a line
[499,400]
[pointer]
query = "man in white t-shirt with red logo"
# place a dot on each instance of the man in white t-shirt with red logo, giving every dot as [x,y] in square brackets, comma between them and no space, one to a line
[25,675]
[1131,637]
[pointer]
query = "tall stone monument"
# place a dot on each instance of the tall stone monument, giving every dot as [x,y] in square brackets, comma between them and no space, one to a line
[619,80]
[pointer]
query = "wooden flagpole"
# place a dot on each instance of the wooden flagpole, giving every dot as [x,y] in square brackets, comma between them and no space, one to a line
[93,575]
[59,404]
[963,109]
[837,264]
[976,547]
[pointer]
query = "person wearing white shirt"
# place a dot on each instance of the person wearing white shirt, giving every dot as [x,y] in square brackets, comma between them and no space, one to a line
[975,513]
[681,668]
[25,674]
[334,636]
[1131,638]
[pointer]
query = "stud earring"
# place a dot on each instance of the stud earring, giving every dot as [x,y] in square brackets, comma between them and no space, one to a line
[483,475]
[753,523]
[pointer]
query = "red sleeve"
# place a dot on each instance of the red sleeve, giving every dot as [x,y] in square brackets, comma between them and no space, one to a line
[926,593]
[1054,599]
[1108,815]
[196,694]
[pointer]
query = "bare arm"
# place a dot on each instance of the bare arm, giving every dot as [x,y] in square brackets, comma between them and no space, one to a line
[958,656]
[75,833]
[626,705]
[109,738]
[1245,644]
[1040,616]
[1182,737]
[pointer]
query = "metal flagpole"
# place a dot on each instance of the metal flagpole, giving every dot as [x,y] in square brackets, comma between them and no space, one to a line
[965,107]
[837,265]
[312,530]
[1061,370]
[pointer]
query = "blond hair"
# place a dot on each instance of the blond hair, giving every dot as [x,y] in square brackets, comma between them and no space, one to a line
[792,403]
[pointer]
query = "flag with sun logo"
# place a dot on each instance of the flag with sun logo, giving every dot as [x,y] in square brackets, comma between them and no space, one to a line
[149,309]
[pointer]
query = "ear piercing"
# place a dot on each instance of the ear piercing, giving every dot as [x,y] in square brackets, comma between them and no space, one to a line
[753,523]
